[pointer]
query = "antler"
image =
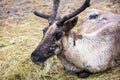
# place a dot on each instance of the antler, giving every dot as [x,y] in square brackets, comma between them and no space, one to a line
[54,11]
[76,12]
[53,14]
[41,14]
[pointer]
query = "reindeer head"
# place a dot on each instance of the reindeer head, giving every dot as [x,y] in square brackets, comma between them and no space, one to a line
[55,31]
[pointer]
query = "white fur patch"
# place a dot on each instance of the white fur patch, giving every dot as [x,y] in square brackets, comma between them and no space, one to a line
[88,54]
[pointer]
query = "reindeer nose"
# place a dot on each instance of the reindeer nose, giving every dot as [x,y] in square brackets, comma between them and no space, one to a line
[34,58]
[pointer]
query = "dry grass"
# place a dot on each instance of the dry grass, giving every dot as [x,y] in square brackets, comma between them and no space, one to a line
[18,38]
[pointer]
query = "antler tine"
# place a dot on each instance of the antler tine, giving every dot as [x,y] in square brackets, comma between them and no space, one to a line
[76,12]
[54,10]
[41,15]
[51,17]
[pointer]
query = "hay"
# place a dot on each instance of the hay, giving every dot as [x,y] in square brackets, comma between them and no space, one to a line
[20,36]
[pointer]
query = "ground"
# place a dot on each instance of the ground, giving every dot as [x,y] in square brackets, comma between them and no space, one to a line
[21,31]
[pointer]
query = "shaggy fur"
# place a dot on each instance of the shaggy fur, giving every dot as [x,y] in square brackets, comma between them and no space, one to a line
[97,49]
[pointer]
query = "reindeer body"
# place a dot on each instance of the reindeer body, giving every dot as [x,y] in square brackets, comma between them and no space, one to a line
[97,47]
[93,48]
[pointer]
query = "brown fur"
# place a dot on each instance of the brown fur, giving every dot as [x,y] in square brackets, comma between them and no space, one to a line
[105,33]
[94,47]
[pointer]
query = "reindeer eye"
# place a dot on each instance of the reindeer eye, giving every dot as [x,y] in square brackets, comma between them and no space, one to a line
[44,30]
[58,34]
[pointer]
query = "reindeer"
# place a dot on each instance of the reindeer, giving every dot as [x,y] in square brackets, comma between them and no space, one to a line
[91,49]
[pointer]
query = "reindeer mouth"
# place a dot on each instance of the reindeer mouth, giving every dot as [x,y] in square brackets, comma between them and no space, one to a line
[40,63]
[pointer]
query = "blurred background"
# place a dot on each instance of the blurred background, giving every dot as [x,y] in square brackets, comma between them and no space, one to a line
[21,31]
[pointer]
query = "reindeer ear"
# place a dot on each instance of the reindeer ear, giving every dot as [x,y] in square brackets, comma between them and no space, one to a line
[70,24]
